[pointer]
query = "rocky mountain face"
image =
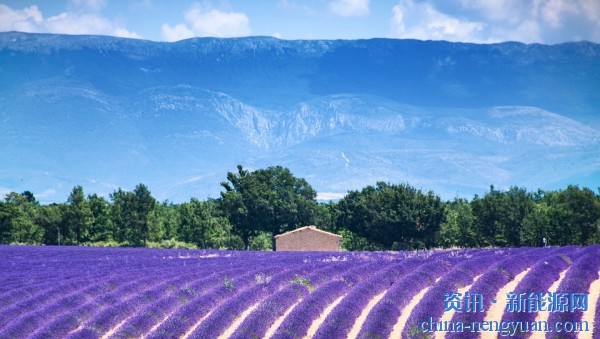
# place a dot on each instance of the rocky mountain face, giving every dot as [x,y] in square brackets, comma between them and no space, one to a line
[108,112]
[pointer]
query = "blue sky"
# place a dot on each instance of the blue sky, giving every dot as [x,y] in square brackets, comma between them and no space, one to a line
[482,21]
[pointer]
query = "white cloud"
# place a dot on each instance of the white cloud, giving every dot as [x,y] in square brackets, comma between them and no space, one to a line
[26,20]
[176,33]
[350,8]
[86,24]
[526,31]
[496,10]
[31,20]
[46,193]
[545,21]
[201,20]
[591,10]
[330,196]
[554,11]
[422,21]
[216,23]
[567,20]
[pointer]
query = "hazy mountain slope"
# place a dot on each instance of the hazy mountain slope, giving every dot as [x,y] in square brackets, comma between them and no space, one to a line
[266,71]
[106,112]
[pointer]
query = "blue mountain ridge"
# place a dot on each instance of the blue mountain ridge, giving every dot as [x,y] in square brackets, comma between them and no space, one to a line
[108,112]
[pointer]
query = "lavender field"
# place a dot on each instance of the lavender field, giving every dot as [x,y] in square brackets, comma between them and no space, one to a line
[82,292]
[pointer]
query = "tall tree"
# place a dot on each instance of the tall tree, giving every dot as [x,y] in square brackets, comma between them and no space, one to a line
[573,216]
[458,229]
[582,209]
[519,204]
[392,216]
[164,221]
[131,213]
[101,227]
[270,200]
[499,216]
[143,205]
[120,212]
[52,219]
[79,217]
[200,224]
[539,225]
[17,219]
[5,227]
[191,226]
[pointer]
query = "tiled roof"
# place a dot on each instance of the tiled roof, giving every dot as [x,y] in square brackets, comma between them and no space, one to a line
[311,227]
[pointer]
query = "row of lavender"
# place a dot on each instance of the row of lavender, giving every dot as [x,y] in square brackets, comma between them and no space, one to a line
[91,292]
[584,270]
[87,292]
[543,267]
[92,295]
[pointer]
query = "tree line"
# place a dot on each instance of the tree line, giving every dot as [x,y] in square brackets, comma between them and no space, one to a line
[256,205]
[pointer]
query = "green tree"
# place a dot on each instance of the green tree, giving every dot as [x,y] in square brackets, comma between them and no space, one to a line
[538,225]
[218,226]
[572,216]
[131,213]
[51,218]
[143,204]
[325,216]
[5,227]
[101,227]
[164,221]
[499,216]
[201,225]
[268,200]
[392,216]
[17,219]
[354,242]
[581,211]
[519,203]
[120,212]
[458,228]
[79,218]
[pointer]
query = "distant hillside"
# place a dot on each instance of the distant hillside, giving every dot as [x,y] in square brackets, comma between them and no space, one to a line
[107,112]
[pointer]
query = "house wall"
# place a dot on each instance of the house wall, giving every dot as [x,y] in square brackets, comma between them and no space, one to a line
[307,240]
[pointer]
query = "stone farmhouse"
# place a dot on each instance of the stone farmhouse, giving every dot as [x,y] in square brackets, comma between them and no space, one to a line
[308,238]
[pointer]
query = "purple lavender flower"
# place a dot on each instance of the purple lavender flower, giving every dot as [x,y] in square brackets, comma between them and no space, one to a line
[382,318]
[577,280]
[299,320]
[340,321]
[79,292]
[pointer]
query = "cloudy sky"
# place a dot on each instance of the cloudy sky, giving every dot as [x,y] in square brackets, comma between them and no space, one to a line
[484,21]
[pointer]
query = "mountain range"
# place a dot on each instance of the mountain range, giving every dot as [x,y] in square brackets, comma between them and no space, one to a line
[455,118]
